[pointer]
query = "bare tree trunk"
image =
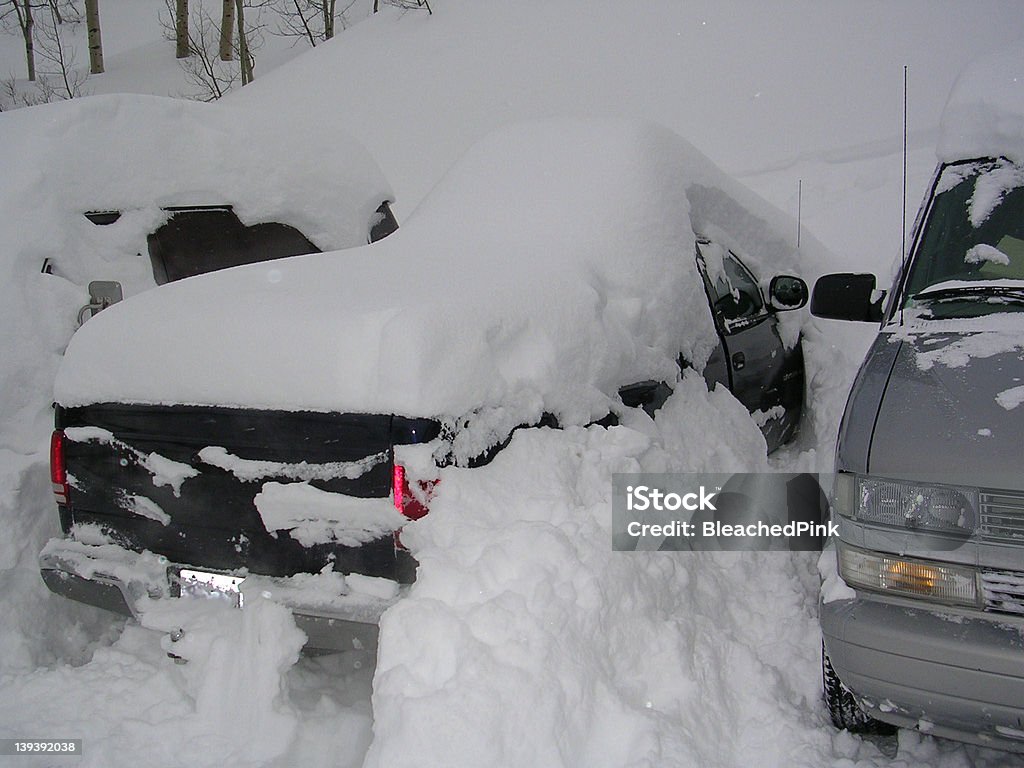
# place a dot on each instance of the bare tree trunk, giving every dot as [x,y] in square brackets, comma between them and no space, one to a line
[25,22]
[243,47]
[328,19]
[92,20]
[181,46]
[227,22]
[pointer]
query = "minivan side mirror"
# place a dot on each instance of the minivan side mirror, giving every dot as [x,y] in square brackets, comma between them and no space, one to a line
[786,292]
[847,296]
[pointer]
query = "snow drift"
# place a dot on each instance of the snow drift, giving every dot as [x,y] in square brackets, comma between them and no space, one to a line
[984,116]
[723,648]
[552,265]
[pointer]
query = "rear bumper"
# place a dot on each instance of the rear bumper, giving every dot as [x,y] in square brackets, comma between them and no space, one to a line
[952,675]
[116,579]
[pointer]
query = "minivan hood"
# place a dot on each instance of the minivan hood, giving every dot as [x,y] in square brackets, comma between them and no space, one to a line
[953,408]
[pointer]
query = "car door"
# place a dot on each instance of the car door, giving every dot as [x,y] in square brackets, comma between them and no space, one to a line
[751,355]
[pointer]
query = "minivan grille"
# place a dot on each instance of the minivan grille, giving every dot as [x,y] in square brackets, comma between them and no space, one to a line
[1003,591]
[1002,516]
[1002,521]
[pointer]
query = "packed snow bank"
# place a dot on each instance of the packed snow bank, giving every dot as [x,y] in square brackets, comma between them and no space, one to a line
[984,116]
[241,700]
[527,641]
[552,265]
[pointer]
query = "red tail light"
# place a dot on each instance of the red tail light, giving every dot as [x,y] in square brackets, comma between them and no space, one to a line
[405,501]
[58,469]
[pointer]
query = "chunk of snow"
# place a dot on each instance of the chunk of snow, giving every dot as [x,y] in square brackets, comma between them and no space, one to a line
[237,662]
[164,471]
[1011,398]
[328,591]
[135,504]
[982,252]
[250,469]
[374,586]
[312,516]
[763,417]
[88,559]
[89,434]
[963,339]
[833,587]
[168,472]
[990,189]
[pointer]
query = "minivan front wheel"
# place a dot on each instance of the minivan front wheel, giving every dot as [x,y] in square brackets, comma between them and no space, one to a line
[843,707]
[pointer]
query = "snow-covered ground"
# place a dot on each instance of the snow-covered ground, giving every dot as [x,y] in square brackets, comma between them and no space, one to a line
[526,641]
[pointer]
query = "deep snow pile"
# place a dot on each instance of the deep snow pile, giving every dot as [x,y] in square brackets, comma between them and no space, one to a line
[553,264]
[526,641]
[724,647]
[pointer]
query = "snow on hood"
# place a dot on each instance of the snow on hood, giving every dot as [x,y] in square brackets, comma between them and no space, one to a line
[949,413]
[552,265]
[984,116]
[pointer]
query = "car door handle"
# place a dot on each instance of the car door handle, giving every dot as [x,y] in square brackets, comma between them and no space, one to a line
[738,361]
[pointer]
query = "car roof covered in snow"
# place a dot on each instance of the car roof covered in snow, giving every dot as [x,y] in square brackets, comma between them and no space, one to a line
[552,265]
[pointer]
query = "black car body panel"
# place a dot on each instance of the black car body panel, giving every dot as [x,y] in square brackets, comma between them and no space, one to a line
[211,518]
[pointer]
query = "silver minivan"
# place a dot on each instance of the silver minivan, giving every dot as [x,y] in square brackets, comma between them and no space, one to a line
[923,623]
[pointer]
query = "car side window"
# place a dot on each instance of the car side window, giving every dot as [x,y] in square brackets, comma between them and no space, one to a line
[734,294]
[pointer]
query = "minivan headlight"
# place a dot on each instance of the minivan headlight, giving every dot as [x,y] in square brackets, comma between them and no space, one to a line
[903,504]
[908,577]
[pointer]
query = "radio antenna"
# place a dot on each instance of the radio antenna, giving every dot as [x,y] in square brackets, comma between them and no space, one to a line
[903,253]
[799,209]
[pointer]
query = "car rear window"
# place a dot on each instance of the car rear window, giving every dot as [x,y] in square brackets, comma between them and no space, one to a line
[198,240]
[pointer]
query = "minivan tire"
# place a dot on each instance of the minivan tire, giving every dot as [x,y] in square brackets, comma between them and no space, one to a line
[843,708]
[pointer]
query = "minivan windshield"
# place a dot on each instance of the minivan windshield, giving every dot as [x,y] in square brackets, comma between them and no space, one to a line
[970,258]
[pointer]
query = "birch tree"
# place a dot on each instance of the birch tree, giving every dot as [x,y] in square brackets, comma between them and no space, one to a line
[313,20]
[92,20]
[227,23]
[182,49]
[204,68]
[21,12]
[244,59]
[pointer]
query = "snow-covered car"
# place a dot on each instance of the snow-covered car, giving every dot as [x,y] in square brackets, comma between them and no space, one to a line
[278,424]
[142,190]
[922,621]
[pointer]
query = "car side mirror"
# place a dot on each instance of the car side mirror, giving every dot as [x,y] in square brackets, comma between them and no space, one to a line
[786,292]
[102,293]
[847,296]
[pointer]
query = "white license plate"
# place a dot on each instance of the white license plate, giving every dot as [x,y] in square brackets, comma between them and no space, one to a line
[210,585]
